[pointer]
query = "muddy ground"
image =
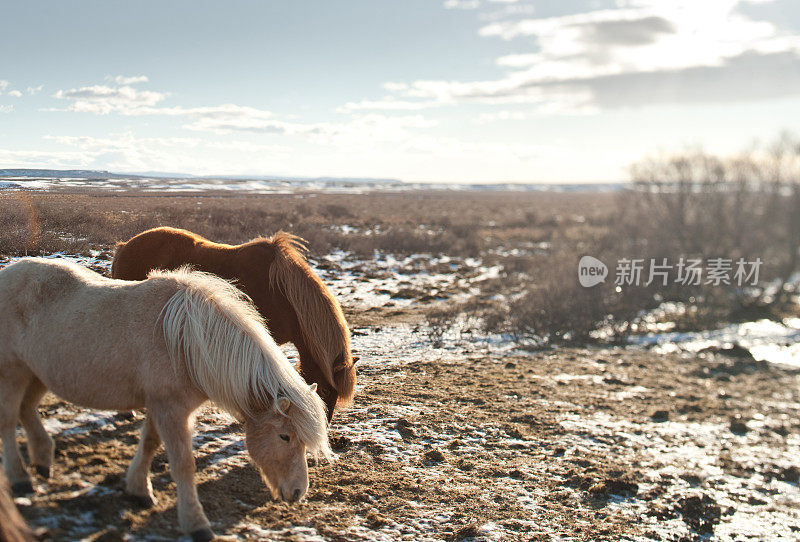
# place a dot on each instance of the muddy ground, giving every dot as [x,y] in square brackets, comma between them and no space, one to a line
[570,444]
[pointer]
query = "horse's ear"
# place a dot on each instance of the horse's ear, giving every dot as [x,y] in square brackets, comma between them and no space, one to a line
[284,404]
[355,359]
[313,387]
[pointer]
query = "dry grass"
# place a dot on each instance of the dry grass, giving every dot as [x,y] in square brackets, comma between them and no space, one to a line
[451,223]
[536,237]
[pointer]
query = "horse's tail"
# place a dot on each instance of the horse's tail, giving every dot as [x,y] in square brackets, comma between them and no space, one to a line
[321,319]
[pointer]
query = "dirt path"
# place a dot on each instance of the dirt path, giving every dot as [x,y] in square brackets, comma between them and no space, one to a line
[463,442]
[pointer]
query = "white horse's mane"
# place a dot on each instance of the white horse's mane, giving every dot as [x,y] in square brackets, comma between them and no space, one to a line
[214,329]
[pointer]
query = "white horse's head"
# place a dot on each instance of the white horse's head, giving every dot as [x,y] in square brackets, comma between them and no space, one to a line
[278,451]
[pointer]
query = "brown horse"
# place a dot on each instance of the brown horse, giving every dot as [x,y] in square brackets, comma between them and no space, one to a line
[292,299]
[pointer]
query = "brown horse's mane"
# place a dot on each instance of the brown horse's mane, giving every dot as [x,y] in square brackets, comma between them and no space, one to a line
[320,316]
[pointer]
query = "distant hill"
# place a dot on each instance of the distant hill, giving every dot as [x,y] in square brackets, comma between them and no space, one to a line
[64,173]
[103,175]
[169,180]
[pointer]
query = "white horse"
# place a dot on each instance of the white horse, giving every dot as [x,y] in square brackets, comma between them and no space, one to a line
[167,344]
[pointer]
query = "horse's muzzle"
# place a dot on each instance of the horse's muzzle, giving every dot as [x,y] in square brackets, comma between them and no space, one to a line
[293,497]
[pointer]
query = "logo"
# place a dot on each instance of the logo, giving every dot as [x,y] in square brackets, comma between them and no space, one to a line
[591,271]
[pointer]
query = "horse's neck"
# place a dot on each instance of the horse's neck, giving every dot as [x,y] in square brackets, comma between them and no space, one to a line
[218,259]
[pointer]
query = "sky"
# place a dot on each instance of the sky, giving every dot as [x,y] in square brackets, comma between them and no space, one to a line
[419,90]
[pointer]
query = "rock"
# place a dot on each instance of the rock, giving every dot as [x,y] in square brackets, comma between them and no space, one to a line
[340,443]
[530,419]
[781,430]
[455,444]
[692,479]
[511,365]
[738,427]
[735,351]
[614,486]
[376,520]
[659,416]
[407,293]
[434,456]
[465,465]
[787,474]
[467,531]
[406,429]
[700,513]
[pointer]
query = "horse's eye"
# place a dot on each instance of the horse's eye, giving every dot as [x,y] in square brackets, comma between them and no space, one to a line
[284,437]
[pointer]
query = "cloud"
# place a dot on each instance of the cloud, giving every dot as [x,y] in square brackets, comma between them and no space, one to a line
[462,4]
[642,31]
[607,58]
[123,152]
[229,118]
[38,159]
[507,10]
[393,86]
[123,80]
[388,104]
[6,108]
[126,152]
[414,157]
[358,130]
[104,99]
[502,115]
[474,4]
[34,90]
[129,101]
[750,76]
[488,154]
[389,138]
[13,93]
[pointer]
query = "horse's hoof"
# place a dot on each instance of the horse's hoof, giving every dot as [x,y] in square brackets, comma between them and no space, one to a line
[143,502]
[43,472]
[22,488]
[42,533]
[202,535]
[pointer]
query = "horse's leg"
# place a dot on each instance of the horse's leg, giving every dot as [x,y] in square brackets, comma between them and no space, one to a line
[40,444]
[173,425]
[12,389]
[138,477]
